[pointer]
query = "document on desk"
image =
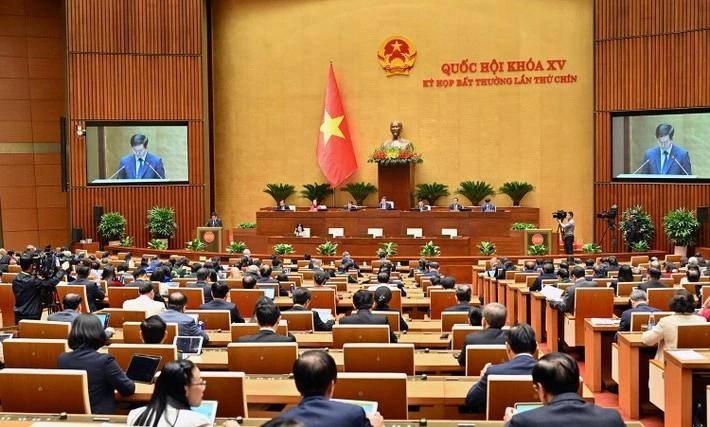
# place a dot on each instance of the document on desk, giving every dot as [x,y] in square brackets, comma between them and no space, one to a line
[552,293]
[604,321]
[687,354]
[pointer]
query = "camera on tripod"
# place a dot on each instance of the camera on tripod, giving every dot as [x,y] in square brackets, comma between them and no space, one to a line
[559,215]
[609,214]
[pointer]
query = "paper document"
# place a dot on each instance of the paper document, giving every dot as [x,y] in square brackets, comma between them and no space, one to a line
[601,321]
[552,293]
[324,314]
[687,355]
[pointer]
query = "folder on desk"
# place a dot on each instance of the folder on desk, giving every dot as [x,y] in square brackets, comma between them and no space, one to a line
[552,293]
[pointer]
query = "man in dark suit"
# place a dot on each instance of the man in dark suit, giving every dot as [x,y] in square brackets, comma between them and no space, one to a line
[667,158]
[566,304]
[153,330]
[556,379]
[493,321]
[639,304]
[363,301]
[219,293]
[463,295]
[140,164]
[520,348]
[315,373]
[302,302]
[94,294]
[654,280]
[265,275]
[548,272]
[455,206]
[268,316]
[71,303]
[187,326]
[214,220]
[202,275]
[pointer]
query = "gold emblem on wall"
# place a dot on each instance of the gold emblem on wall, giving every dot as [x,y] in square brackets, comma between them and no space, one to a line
[397,55]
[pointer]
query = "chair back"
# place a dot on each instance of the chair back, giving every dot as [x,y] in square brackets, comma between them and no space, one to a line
[213,319]
[8,277]
[704,294]
[33,353]
[195,296]
[323,297]
[477,356]
[396,302]
[43,329]
[390,392]
[123,353]
[439,300]
[119,316]
[118,295]
[507,390]
[80,290]
[451,318]
[459,332]
[242,329]
[379,358]
[7,304]
[228,389]
[639,319]
[591,302]
[132,333]
[47,391]
[245,300]
[673,258]
[638,259]
[694,336]
[623,289]
[392,318]
[660,298]
[343,334]
[262,357]
[298,320]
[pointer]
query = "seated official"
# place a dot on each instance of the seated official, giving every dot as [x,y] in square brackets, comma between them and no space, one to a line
[488,206]
[103,373]
[268,316]
[639,304]
[665,333]
[203,275]
[249,281]
[383,296]
[153,330]
[556,379]
[315,374]
[187,326]
[265,275]
[493,321]
[548,272]
[282,206]
[432,271]
[145,300]
[350,206]
[219,293]
[654,280]
[447,282]
[463,296]
[567,302]
[384,278]
[385,204]
[363,301]
[71,303]
[302,302]
[455,206]
[475,316]
[28,288]
[423,206]
[520,347]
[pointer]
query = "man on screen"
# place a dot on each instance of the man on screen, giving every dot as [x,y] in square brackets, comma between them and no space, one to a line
[667,158]
[140,164]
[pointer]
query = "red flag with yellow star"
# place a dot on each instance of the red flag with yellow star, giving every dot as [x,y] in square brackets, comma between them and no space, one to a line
[335,152]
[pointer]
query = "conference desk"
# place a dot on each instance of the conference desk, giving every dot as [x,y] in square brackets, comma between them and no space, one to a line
[439,362]
[680,370]
[597,352]
[634,356]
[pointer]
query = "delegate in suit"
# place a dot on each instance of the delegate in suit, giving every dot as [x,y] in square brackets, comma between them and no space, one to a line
[140,164]
[268,316]
[187,326]
[668,158]
[494,315]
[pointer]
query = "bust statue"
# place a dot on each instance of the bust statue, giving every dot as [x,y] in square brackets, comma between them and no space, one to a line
[396,142]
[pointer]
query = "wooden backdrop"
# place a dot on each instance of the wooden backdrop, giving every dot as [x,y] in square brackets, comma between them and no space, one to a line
[649,54]
[137,60]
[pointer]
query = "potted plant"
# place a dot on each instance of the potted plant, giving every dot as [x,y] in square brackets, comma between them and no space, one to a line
[475,191]
[280,191]
[591,248]
[159,244]
[430,249]
[236,247]
[516,190]
[247,225]
[431,192]
[537,250]
[636,225]
[283,249]
[639,246]
[196,245]
[523,226]
[327,249]
[126,241]
[112,227]
[316,191]
[486,248]
[359,191]
[681,227]
[161,223]
[387,249]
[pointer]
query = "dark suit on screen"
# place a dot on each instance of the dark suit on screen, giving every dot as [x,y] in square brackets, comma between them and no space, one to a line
[676,157]
[522,364]
[152,167]
[568,409]
[267,335]
[220,304]
[318,411]
[485,337]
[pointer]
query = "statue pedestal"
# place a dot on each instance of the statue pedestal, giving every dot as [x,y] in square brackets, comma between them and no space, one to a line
[397,184]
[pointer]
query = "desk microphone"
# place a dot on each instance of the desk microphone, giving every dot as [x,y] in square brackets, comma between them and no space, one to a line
[156,172]
[678,163]
[644,164]
[114,175]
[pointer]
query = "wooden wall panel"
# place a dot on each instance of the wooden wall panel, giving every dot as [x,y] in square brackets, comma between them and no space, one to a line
[649,54]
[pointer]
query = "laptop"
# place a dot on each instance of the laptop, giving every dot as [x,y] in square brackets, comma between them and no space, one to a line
[188,346]
[369,406]
[269,292]
[104,318]
[4,337]
[324,314]
[208,408]
[143,367]
[526,406]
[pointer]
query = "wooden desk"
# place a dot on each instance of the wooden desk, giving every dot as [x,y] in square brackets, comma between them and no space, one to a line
[522,296]
[553,325]
[633,373]
[537,315]
[678,386]
[597,353]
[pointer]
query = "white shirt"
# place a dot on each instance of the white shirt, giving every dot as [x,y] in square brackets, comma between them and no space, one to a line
[172,417]
[144,303]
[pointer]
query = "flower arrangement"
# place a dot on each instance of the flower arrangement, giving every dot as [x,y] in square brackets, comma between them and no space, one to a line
[394,156]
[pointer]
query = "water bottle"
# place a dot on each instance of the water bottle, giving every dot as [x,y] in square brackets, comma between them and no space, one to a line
[651,322]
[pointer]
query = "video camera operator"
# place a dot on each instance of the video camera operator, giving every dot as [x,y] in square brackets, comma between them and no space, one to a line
[30,285]
[567,229]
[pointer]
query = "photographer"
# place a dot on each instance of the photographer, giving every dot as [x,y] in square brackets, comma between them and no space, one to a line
[567,229]
[29,287]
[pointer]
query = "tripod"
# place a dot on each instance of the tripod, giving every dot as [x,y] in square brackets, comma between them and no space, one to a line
[610,225]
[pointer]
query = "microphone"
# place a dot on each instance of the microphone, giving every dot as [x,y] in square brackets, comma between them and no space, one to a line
[678,163]
[640,167]
[156,172]
[114,175]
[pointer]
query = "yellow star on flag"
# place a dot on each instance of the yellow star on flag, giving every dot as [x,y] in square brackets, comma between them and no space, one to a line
[330,127]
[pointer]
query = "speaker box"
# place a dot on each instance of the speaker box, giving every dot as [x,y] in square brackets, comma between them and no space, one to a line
[98,213]
[703,214]
[77,234]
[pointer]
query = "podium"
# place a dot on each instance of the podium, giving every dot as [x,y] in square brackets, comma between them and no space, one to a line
[397,183]
[539,236]
[212,237]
